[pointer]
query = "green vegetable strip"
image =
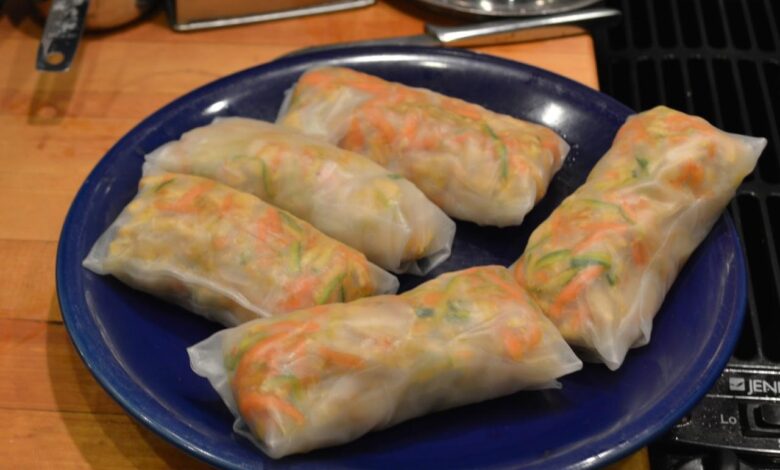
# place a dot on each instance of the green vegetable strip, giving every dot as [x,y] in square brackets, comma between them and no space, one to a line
[502,152]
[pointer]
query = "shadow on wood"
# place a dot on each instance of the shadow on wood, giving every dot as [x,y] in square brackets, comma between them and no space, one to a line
[104,436]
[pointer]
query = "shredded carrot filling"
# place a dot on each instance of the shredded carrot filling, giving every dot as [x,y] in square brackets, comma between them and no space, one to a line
[572,290]
[254,403]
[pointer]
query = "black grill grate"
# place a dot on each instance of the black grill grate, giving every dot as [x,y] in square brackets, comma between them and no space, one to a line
[719,59]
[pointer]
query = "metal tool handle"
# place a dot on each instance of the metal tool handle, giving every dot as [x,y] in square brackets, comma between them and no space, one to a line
[61,35]
[504,31]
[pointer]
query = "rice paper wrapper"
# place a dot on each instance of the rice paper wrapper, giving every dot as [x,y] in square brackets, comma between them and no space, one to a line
[327,375]
[602,263]
[343,194]
[477,165]
[227,255]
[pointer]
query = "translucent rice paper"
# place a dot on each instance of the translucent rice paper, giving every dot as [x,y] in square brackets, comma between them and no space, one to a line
[601,264]
[475,164]
[327,375]
[346,195]
[227,255]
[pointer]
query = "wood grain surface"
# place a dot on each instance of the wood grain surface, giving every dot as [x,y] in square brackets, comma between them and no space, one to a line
[55,127]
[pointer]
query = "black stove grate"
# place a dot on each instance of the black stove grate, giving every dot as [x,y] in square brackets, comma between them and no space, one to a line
[719,59]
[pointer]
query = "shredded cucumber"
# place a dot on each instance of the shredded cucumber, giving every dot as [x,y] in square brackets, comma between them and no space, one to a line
[609,206]
[329,288]
[591,259]
[455,312]
[266,179]
[296,253]
[164,184]
[424,312]
[642,170]
[502,152]
[235,355]
[289,221]
[551,258]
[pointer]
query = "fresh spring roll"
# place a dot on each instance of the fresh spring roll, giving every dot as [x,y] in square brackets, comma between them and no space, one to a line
[343,194]
[601,264]
[227,255]
[329,374]
[475,164]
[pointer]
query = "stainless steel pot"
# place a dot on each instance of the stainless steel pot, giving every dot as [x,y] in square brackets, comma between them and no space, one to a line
[105,14]
[67,19]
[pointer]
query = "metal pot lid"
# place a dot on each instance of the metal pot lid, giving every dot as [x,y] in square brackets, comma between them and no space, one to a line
[509,7]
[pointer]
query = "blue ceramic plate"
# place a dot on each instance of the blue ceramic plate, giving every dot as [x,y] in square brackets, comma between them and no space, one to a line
[135,344]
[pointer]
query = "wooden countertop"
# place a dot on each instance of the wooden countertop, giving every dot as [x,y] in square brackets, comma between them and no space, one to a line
[55,127]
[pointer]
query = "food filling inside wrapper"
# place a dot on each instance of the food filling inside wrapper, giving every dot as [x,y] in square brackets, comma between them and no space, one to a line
[329,374]
[343,194]
[227,255]
[477,165]
[602,263]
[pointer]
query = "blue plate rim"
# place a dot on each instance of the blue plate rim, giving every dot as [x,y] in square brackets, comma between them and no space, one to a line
[103,373]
